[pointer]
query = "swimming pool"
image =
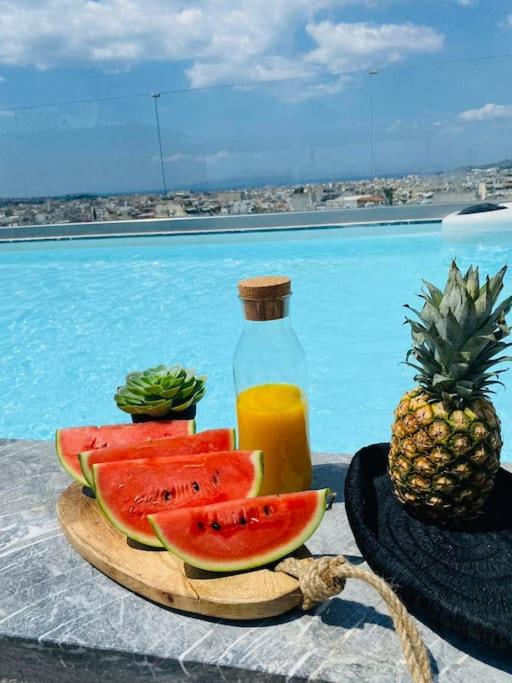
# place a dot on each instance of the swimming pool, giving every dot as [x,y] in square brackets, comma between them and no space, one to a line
[75,317]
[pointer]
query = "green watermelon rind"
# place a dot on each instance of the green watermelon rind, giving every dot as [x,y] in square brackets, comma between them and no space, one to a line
[154,541]
[254,561]
[87,471]
[79,477]
[232,440]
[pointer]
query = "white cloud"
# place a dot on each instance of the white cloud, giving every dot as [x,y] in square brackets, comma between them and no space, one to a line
[395,126]
[219,41]
[451,129]
[172,158]
[430,128]
[213,158]
[302,91]
[488,111]
[209,159]
[47,33]
[265,68]
[345,47]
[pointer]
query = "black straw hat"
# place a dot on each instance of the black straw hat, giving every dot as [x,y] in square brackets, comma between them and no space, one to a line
[459,576]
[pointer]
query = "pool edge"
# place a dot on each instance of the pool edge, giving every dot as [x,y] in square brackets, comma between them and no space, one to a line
[216,231]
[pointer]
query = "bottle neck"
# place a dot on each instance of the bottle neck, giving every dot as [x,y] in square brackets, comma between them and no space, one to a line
[266,309]
[269,352]
[268,327]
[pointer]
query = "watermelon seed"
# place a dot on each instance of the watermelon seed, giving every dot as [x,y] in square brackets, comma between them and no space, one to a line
[266,510]
[200,526]
[215,479]
[243,520]
[216,526]
[132,510]
[166,495]
[195,486]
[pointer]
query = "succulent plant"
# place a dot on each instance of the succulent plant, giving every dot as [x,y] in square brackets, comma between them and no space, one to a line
[160,390]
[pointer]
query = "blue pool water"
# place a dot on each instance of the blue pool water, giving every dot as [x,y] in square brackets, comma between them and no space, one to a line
[75,317]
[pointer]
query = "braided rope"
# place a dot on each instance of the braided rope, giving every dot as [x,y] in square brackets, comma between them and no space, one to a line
[320,579]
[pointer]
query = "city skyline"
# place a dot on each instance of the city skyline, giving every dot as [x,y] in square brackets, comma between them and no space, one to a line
[493,183]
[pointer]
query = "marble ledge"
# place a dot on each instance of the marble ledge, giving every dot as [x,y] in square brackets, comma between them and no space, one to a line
[63,621]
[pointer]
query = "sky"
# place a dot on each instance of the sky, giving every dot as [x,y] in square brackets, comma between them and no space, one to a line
[253,91]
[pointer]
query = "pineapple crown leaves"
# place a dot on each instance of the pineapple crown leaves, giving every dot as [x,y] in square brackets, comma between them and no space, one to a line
[160,390]
[457,337]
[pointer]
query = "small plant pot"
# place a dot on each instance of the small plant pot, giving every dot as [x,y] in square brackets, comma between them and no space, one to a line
[188,414]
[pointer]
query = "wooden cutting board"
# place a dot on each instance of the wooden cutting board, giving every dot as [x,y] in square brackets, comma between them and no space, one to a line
[164,578]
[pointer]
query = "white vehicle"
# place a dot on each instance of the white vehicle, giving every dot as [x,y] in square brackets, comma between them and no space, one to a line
[478,218]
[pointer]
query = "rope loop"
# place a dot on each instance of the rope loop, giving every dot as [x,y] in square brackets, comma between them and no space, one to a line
[318,579]
[322,578]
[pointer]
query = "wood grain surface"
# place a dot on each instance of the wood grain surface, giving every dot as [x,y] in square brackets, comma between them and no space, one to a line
[160,576]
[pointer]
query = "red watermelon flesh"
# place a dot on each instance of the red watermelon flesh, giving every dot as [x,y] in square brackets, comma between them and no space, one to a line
[70,442]
[128,491]
[241,534]
[205,442]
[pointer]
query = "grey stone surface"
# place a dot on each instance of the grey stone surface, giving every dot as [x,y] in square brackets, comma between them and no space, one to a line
[62,620]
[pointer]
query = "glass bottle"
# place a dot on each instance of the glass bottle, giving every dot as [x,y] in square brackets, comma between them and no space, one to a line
[269,368]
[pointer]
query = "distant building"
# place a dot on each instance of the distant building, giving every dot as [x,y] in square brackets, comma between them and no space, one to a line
[371,200]
[300,200]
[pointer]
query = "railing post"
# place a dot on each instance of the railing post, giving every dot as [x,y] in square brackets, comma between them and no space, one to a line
[371,74]
[155,97]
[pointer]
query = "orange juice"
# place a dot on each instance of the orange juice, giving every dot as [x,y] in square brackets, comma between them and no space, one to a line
[273,418]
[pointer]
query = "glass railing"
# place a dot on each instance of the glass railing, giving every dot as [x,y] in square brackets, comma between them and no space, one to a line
[401,135]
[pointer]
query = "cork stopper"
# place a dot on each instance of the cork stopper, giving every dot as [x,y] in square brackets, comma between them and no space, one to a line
[265,297]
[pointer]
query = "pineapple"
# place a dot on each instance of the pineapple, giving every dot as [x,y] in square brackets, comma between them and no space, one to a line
[446,438]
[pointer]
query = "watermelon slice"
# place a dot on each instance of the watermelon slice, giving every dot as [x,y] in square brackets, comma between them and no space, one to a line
[128,490]
[204,442]
[70,442]
[241,534]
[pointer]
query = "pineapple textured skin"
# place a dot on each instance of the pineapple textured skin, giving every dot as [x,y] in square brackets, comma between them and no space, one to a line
[446,438]
[443,459]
